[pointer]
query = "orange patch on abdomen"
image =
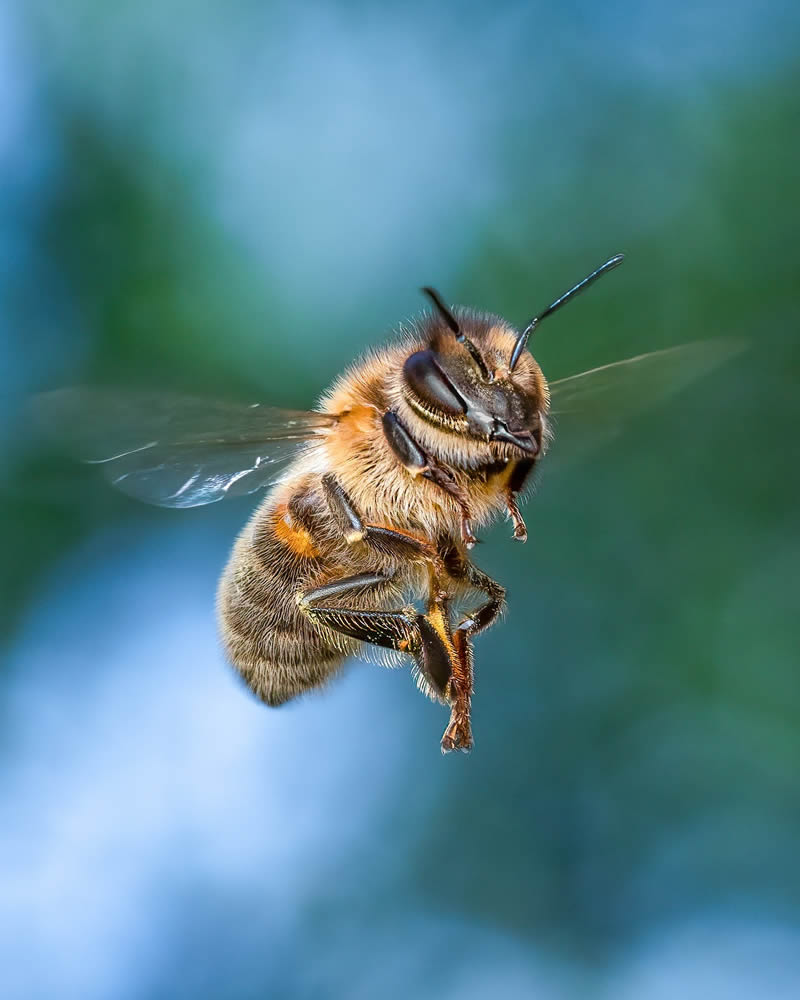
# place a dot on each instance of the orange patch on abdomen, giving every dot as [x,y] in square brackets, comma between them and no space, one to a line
[293,536]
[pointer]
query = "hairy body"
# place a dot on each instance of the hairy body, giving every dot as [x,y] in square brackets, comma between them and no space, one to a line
[364,539]
[293,544]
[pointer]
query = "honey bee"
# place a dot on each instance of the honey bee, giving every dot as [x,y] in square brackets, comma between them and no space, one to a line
[364,540]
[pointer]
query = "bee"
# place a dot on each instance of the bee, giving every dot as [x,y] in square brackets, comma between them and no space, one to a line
[363,542]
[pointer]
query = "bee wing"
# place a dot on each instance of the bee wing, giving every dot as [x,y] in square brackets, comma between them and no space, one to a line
[177,451]
[598,401]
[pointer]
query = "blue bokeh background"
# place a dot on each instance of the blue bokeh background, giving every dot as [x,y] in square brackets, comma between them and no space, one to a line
[237,198]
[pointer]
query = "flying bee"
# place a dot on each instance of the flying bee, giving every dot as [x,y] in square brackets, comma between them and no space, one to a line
[364,538]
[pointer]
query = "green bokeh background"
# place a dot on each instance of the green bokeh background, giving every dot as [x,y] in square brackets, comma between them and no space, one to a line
[636,715]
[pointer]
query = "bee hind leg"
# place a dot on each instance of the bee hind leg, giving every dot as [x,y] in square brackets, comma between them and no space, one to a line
[396,630]
[426,636]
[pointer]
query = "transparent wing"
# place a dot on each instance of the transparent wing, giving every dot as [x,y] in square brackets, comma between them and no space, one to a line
[177,451]
[598,401]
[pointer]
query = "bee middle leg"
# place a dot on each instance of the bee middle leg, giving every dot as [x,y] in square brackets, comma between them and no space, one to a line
[385,540]
[418,463]
[424,636]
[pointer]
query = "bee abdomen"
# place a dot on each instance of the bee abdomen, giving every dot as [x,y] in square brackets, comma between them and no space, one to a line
[277,650]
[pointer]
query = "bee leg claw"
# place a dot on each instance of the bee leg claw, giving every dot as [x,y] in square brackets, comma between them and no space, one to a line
[520,529]
[457,736]
[467,536]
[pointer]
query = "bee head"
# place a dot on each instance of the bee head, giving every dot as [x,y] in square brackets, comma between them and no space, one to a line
[462,380]
[476,378]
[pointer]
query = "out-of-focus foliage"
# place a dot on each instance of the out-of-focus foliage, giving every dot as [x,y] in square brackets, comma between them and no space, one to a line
[236,200]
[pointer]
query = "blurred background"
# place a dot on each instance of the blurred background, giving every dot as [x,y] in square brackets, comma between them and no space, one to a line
[236,199]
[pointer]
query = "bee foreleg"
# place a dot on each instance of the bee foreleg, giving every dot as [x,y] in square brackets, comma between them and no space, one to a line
[515,484]
[419,464]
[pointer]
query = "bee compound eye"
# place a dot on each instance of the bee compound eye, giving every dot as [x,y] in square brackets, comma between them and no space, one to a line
[431,385]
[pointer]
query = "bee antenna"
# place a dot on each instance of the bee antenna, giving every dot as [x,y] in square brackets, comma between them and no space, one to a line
[452,322]
[443,311]
[522,340]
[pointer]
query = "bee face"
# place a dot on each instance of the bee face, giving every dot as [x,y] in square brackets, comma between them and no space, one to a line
[463,384]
